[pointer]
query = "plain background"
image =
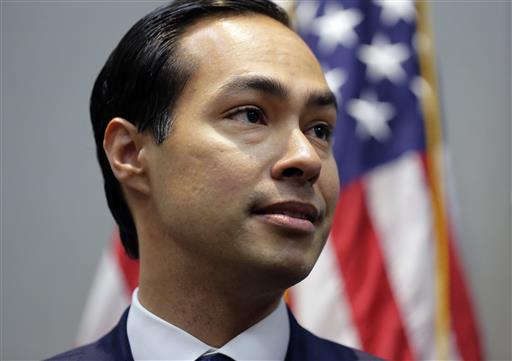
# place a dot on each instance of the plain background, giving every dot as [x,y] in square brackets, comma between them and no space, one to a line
[55,222]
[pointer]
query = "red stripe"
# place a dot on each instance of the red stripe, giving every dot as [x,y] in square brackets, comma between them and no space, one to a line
[374,309]
[463,320]
[129,267]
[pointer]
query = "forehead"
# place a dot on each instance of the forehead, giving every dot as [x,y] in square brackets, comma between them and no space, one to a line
[224,48]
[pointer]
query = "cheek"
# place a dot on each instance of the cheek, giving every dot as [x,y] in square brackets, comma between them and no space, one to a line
[218,167]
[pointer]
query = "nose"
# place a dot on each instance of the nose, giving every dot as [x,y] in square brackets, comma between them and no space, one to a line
[299,161]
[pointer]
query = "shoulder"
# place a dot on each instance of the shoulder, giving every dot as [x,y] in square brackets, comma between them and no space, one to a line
[327,350]
[304,345]
[86,352]
[112,346]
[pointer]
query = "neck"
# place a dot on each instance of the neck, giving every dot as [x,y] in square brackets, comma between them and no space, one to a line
[209,303]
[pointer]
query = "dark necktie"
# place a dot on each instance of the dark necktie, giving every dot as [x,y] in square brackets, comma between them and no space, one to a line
[215,357]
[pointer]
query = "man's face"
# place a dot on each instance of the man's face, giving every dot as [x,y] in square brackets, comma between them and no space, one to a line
[246,180]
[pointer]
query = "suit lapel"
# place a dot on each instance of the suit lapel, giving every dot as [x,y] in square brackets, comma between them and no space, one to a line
[115,344]
[298,344]
[303,345]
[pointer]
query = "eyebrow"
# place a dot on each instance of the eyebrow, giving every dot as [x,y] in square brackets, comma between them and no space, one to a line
[322,99]
[275,88]
[259,83]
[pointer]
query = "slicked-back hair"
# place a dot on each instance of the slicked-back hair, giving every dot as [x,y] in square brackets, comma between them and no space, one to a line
[143,79]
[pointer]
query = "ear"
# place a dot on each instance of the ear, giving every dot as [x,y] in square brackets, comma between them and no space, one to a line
[124,147]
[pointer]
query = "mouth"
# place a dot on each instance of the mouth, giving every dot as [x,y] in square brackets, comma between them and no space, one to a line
[293,216]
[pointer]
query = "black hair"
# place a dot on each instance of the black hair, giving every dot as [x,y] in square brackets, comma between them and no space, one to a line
[143,78]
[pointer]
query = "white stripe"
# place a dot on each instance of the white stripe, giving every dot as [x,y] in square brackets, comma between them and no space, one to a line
[454,350]
[108,298]
[320,302]
[399,206]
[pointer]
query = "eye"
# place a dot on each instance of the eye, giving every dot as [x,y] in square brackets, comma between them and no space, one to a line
[322,131]
[248,114]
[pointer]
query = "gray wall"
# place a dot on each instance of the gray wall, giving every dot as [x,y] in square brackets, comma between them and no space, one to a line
[54,217]
[473,42]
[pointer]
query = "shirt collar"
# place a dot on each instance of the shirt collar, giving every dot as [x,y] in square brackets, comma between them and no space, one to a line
[153,338]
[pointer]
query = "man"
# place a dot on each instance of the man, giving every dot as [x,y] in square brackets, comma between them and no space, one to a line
[213,125]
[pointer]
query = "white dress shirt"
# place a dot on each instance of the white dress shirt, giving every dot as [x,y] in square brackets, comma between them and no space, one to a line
[152,338]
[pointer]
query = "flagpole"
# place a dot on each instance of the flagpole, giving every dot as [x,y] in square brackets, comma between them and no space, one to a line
[433,128]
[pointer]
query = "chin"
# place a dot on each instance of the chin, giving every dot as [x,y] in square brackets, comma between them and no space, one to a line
[279,262]
[284,273]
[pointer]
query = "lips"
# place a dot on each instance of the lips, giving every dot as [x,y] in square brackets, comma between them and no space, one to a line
[291,209]
[295,216]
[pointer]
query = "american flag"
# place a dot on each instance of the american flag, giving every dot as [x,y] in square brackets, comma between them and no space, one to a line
[389,280]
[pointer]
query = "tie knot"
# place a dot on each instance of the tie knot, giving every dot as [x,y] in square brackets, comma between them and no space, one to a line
[215,357]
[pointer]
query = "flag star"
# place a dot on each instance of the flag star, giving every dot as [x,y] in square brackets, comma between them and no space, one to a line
[336,27]
[394,10]
[420,87]
[335,79]
[305,14]
[383,59]
[372,116]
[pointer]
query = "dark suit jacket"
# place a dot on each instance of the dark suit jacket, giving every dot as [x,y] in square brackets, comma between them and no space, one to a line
[303,345]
